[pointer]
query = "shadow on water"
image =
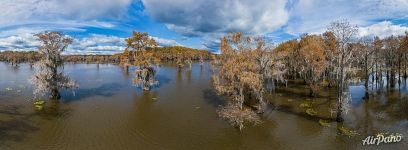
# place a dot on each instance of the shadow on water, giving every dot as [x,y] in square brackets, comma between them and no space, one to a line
[14,125]
[290,110]
[105,90]
[212,98]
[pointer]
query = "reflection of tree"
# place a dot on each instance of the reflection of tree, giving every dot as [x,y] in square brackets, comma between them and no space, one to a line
[48,78]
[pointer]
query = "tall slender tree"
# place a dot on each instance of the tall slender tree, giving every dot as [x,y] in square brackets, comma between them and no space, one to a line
[344,33]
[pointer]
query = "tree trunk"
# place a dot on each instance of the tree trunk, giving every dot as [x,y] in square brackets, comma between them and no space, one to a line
[340,92]
[367,78]
[55,94]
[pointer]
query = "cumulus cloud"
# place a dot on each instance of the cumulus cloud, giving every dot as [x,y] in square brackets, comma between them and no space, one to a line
[211,19]
[27,11]
[198,17]
[22,42]
[313,16]
[166,42]
[97,44]
[382,29]
[92,44]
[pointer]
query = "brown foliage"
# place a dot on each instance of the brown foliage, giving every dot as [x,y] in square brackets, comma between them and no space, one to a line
[240,73]
[313,57]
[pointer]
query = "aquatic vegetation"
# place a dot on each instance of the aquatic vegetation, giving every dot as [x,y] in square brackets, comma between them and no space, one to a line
[324,123]
[39,104]
[346,131]
[38,107]
[311,112]
[305,105]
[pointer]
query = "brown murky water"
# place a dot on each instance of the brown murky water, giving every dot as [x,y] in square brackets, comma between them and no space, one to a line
[107,112]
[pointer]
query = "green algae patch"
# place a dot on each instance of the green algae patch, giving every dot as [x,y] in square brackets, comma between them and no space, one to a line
[346,131]
[39,102]
[305,105]
[311,112]
[38,107]
[324,123]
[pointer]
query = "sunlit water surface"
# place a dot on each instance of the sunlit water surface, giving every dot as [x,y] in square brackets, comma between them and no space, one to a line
[107,112]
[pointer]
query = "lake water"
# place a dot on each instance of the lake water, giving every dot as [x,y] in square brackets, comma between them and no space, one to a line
[107,112]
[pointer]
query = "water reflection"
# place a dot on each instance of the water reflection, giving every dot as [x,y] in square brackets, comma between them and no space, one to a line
[105,90]
[108,112]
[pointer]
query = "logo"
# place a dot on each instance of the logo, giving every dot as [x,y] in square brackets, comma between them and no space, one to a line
[382,138]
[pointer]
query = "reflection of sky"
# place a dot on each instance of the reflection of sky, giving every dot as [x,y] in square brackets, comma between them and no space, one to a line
[357,94]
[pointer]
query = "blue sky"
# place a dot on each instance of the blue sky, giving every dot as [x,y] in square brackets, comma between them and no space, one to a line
[100,26]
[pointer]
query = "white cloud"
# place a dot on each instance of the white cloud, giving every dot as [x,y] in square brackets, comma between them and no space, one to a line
[22,42]
[382,29]
[166,42]
[97,44]
[198,17]
[92,44]
[28,11]
[211,19]
[313,16]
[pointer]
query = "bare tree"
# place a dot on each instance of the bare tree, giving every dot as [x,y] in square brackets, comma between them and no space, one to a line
[344,33]
[49,78]
[366,53]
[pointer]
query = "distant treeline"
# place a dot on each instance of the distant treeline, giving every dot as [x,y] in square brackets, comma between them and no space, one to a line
[163,53]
